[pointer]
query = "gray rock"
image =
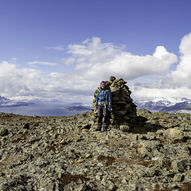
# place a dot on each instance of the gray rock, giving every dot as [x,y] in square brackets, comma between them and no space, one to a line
[174,134]
[124,128]
[4,132]
[26,126]
[180,166]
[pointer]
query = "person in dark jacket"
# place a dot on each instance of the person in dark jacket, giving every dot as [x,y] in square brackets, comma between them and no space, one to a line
[103,105]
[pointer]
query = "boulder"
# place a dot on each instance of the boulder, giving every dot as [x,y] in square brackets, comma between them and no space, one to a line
[174,134]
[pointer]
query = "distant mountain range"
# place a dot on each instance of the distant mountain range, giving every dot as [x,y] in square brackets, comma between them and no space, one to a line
[41,108]
[5,102]
[175,105]
[78,107]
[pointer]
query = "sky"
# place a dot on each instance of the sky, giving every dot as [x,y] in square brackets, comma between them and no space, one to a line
[60,50]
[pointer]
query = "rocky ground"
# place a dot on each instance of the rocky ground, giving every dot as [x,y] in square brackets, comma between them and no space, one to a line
[65,153]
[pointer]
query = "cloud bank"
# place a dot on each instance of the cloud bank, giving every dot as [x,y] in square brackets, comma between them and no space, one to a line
[92,61]
[182,75]
[30,84]
[176,83]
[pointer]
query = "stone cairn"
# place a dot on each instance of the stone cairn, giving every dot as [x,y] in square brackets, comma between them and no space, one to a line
[123,115]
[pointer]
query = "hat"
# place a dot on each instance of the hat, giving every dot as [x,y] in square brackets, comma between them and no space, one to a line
[102,82]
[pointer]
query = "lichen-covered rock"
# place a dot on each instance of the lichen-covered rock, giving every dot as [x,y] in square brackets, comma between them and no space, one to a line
[174,134]
[180,165]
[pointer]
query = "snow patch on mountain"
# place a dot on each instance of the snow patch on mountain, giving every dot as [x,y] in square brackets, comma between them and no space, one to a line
[174,104]
[5,102]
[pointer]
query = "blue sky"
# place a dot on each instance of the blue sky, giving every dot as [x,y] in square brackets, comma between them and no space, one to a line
[59,44]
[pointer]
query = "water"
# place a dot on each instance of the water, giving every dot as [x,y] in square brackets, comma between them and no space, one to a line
[45,109]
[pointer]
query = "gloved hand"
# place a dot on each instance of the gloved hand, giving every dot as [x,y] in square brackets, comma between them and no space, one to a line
[110,109]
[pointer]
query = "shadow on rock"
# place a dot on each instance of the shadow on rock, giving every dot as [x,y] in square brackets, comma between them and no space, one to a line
[141,126]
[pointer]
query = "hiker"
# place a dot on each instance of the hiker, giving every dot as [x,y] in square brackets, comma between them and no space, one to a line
[103,106]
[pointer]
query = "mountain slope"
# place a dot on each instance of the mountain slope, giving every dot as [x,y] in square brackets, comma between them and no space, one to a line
[165,105]
[4,102]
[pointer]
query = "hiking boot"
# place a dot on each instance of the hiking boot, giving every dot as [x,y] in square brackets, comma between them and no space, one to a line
[104,129]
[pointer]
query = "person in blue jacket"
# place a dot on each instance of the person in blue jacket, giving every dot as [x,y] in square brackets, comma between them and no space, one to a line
[103,106]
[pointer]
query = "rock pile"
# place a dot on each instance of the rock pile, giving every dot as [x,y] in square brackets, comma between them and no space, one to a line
[124,110]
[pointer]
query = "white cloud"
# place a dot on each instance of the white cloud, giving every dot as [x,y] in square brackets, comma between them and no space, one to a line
[42,63]
[68,61]
[185,45]
[96,60]
[92,47]
[176,83]
[60,48]
[13,59]
[182,75]
[27,83]
[6,68]
[152,93]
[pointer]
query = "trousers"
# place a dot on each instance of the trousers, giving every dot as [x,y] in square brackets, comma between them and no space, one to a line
[103,117]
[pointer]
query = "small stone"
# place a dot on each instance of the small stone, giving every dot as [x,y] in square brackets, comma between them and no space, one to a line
[84,187]
[85,130]
[4,132]
[87,126]
[124,128]
[79,161]
[178,178]
[63,142]
[88,156]
[26,126]
[142,150]
[180,166]
[111,185]
[98,177]
[124,181]
[112,78]
[100,164]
